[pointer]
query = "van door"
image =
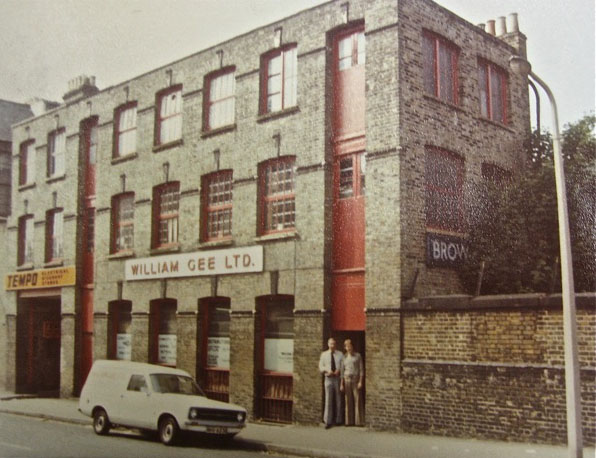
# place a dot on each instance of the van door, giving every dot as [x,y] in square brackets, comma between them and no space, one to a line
[136,406]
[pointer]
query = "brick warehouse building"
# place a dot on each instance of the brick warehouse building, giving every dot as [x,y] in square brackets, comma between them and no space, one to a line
[226,213]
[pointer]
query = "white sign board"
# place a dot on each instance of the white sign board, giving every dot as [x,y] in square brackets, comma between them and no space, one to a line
[218,352]
[124,346]
[279,355]
[166,353]
[201,263]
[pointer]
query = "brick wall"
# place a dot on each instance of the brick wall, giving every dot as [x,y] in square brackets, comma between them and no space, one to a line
[493,367]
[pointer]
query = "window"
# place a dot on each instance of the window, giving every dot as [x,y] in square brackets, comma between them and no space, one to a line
[123,211]
[351,50]
[217,206]
[219,99]
[5,171]
[56,152]
[165,214]
[493,91]
[276,195]
[125,130]
[169,115]
[54,235]
[27,163]
[444,190]
[119,324]
[163,330]
[137,383]
[351,181]
[279,79]
[440,67]
[25,247]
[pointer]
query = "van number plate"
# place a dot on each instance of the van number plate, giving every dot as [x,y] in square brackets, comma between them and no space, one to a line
[217,429]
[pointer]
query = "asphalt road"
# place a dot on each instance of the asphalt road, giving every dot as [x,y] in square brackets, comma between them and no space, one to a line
[29,437]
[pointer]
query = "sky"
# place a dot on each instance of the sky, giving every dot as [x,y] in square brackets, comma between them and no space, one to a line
[45,43]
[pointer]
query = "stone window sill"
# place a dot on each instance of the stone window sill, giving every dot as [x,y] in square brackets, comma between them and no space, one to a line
[278,114]
[128,157]
[164,146]
[27,266]
[220,130]
[276,236]
[24,187]
[122,255]
[216,243]
[164,250]
[56,178]
[54,263]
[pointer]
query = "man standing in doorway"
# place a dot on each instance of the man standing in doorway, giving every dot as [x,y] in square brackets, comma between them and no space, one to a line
[331,366]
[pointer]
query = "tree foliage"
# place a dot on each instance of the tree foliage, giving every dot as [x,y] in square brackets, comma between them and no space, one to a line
[514,225]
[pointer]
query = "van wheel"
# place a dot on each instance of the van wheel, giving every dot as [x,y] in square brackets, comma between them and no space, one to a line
[168,430]
[101,422]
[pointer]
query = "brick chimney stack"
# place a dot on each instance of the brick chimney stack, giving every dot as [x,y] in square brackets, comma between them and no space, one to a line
[79,88]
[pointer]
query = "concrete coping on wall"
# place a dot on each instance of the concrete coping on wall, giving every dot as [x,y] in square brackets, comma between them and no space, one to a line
[501,301]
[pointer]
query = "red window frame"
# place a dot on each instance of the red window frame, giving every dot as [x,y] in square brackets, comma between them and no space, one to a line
[488,82]
[285,79]
[275,193]
[159,120]
[350,172]
[163,212]
[54,253]
[52,156]
[434,69]
[24,257]
[209,100]
[216,204]
[120,224]
[118,112]
[444,180]
[24,162]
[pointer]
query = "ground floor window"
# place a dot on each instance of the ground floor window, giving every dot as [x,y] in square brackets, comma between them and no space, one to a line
[120,336]
[216,347]
[163,332]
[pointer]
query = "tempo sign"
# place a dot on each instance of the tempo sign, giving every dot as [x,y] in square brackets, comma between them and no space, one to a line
[42,278]
[217,262]
[445,250]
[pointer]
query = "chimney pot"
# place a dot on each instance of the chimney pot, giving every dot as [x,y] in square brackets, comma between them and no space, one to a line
[490,26]
[501,26]
[482,26]
[513,23]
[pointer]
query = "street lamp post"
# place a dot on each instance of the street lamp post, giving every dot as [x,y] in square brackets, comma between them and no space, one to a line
[521,66]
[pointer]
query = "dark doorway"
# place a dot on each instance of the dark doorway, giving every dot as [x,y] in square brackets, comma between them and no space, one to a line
[38,346]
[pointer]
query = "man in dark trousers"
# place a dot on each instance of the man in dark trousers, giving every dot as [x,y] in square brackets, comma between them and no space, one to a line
[331,366]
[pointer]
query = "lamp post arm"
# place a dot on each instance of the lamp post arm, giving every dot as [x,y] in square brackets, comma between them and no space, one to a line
[572,376]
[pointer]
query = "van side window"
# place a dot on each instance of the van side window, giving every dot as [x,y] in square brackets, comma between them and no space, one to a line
[137,383]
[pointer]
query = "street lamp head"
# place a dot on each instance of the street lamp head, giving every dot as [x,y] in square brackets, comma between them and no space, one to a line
[519,65]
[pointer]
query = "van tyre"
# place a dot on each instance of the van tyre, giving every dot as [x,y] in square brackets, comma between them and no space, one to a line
[168,430]
[101,422]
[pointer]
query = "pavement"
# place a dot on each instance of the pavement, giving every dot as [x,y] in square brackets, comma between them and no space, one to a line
[316,441]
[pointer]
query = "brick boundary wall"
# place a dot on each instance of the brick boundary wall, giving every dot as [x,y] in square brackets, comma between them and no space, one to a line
[493,367]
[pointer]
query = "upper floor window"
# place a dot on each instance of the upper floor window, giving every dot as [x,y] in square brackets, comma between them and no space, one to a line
[277,210]
[56,152]
[219,99]
[166,198]
[351,50]
[444,173]
[123,212]
[279,77]
[25,245]
[27,163]
[440,67]
[54,235]
[492,81]
[168,126]
[125,129]
[217,206]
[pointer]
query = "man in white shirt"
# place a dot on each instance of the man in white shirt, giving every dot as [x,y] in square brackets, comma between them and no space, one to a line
[331,366]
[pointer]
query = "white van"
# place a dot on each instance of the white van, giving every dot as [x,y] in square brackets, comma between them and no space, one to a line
[154,398]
